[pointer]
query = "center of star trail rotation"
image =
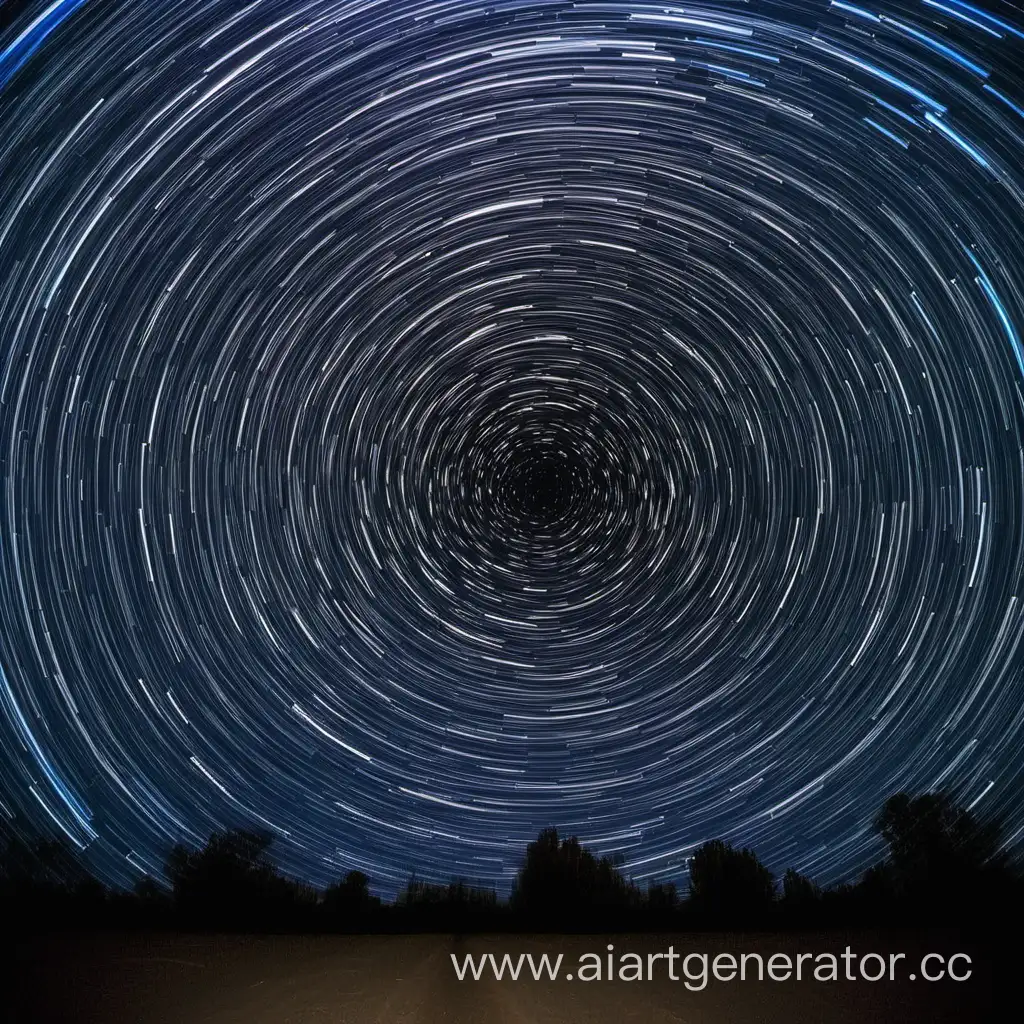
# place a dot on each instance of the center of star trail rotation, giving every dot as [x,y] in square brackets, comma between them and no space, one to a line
[425,423]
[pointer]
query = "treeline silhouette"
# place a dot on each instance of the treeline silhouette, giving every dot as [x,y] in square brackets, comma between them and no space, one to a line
[943,866]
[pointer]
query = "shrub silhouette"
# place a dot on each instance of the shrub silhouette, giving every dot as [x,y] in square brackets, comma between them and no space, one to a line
[455,907]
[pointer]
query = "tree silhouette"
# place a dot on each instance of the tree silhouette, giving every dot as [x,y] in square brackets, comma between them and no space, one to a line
[41,864]
[560,880]
[801,900]
[46,882]
[729,883]
[938,850]
[943,865]
[798,890]
[231,880]
[349,896]
[663,898]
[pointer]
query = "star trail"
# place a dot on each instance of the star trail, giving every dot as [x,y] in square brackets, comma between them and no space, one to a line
[423,423]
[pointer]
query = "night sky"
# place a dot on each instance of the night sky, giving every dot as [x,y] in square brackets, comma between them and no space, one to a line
[423,423]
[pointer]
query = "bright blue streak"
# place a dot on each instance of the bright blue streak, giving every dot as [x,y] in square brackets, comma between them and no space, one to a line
[957,139]
[942,48]
[720,69]
[859,11]
[736,49]
[17,53]
[1004,318]
[878,72]
[1005,25]
[885,131]
[894,110]
[80,813]
[963,17]
[1005,99]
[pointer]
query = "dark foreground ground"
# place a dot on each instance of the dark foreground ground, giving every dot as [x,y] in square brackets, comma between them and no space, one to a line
[409,979]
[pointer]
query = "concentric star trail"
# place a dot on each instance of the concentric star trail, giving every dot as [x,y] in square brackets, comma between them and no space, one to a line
[423,423]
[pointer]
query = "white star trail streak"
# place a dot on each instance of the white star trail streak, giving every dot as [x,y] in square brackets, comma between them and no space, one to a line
[423,423]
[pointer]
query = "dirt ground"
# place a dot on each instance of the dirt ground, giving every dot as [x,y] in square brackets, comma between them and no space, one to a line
[403,979]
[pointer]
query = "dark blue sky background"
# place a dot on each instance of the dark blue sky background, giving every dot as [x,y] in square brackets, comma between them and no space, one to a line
[421,424]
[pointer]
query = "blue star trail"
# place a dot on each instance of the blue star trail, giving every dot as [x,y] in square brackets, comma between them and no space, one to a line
[423,423]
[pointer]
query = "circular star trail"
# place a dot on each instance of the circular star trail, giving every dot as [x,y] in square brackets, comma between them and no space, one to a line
[423,423]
